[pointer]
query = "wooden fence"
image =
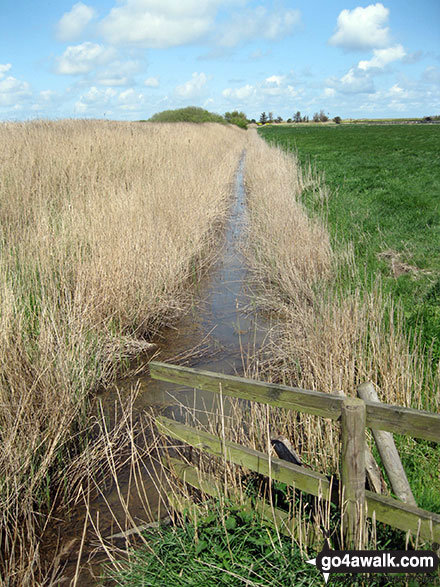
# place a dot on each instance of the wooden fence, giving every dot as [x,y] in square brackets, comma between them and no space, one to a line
[354,415]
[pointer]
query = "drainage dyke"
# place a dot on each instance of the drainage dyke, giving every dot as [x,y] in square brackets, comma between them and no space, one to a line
[220,333]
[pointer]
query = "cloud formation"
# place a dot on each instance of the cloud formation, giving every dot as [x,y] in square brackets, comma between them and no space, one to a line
[152,82]
[80,59]
[383,57]
[260,23]
[239,94]
[12,90]
[362,28]
[72,24]
[353,82]
[159,24]
[192,87]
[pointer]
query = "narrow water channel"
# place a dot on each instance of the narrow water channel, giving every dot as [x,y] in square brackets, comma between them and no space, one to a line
[218,334]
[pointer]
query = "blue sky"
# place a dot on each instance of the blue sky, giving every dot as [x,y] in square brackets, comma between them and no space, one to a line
[127,59]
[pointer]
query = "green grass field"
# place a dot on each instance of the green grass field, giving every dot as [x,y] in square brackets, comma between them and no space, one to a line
[385,199]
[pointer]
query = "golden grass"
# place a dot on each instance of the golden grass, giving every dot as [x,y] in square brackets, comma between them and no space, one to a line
[102,226]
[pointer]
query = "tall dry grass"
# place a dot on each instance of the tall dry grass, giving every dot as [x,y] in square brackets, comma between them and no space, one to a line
[335,335]
[102,225]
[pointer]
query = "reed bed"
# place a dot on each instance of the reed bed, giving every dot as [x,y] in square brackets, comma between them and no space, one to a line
[103,226]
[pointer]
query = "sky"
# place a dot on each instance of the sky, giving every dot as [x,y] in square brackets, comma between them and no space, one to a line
[128,59]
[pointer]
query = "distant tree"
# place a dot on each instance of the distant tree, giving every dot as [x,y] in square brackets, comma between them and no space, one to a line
[237,118]
[316,117]
[323,116]
[279,119]
[305,119]
[297,117]
[337,119]
[263,118]
[289,120]
[270,117]
[253,121]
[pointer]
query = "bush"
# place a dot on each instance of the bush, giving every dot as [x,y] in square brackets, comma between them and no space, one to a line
[188,114]
[237,118]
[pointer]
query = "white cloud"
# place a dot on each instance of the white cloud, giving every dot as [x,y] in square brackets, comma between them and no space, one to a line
[78,59]
[152,82]
[353,82]
[73,23]
[4,68]
[275,79]
[274,87]
[397,92]
[242,93]
[130,100]
[12,90]
[80,107]
[192,87]
[96,95]
[383,57]
[329,92]
[118,73]
[259,23]
[47,95]
[159,23]
[290,91]
[362,28]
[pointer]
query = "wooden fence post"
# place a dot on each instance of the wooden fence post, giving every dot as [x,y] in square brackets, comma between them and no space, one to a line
[388,452]
[353,418]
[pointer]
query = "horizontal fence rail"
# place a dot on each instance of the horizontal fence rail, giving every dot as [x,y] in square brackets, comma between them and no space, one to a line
[384,509]
[375,415]
[397,419]
[304,479]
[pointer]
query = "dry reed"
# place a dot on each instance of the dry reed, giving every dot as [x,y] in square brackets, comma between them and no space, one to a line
[102,226]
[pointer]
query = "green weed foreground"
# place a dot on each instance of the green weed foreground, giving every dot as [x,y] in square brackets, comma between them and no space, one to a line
[229,546]
[226,544]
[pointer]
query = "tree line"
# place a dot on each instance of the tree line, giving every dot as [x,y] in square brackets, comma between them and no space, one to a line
[297,117]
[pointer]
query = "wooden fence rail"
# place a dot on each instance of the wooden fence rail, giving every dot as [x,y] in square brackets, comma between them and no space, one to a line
[354,414]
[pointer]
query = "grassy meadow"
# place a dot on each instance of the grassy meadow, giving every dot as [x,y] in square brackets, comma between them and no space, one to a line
[103,225]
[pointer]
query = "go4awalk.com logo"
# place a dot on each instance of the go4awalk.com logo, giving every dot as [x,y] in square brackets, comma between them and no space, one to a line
[375,561]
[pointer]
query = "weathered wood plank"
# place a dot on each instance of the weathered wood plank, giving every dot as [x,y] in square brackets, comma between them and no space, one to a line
[403,516]
[353,470]
[386,509]
[301,400]
[417,423]
[388,452]
[294,475]
[372,469]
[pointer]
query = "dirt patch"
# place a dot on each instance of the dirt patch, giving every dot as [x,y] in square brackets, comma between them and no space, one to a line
[397,266]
